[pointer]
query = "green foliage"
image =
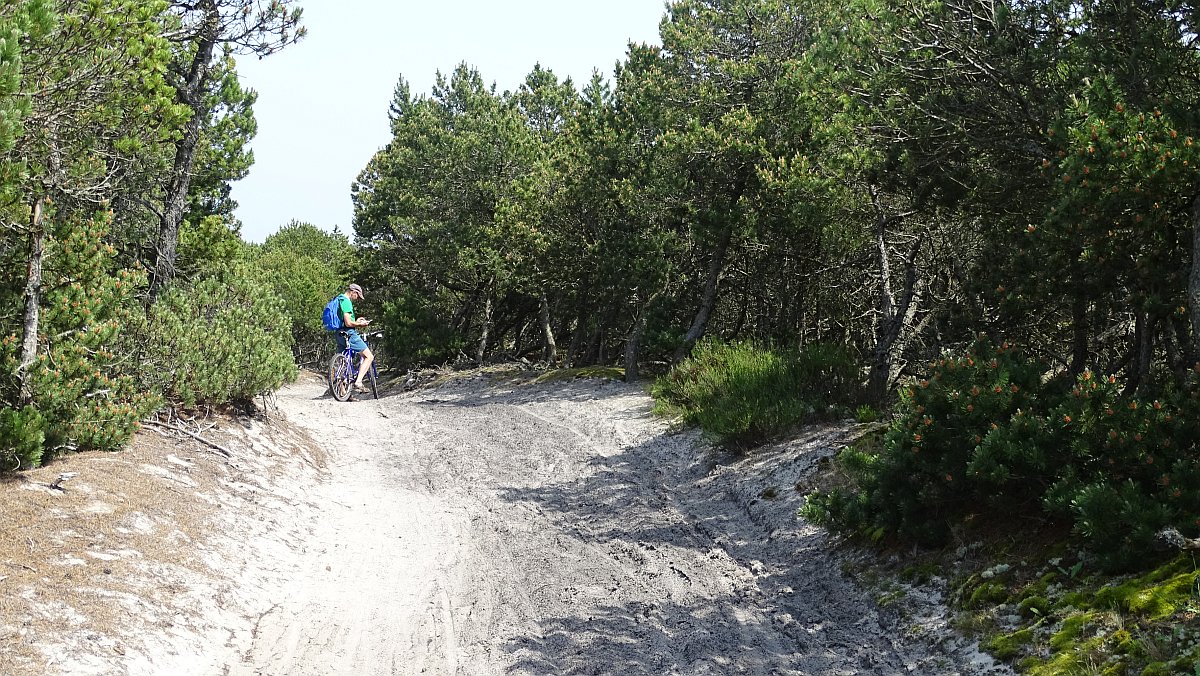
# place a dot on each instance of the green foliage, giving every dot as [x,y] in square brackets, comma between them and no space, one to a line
[415,333]
[306,267]
[205,244]
[866,414]
[222,154]
[82,384]
[744,394]
[22,437]
[223,339]
[84,391]
[984,431]
[305,239]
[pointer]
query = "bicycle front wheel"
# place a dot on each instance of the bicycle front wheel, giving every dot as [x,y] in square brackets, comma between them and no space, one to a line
[339,377]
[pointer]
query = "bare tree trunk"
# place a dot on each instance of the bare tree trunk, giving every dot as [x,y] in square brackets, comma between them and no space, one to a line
[591,353]
[550,351]
[1194,280]
[487,324]
[1141,351]
[576,343]
[708,301]
[1080,328]
[634,341]
[1184,358]
[190,93]
[891,314]
[33,298]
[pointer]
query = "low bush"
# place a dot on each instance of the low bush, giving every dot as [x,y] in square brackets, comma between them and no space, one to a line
[82,388]
[222,339]
[306,267]
[984,433]
[743,394]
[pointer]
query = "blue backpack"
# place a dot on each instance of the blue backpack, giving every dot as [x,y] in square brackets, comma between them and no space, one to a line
[331,317]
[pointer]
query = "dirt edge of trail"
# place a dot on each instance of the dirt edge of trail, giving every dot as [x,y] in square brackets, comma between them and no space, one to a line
[154,560]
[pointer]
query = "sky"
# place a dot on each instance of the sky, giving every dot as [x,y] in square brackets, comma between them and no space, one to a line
[322,103]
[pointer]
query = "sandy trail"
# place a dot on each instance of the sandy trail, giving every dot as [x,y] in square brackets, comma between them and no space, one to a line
[560,529]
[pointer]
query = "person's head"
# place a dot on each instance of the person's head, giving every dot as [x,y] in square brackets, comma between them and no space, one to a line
[354,291]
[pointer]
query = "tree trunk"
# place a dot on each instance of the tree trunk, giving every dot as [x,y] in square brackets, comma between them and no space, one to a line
[634,341]
[1141,352]
[487,324]
[708,301]
[550,351]
[191,94]
[1080,328]
[891,316]
[33,298]
[1194,280]
[1184,358]
[576,340]
[591,355]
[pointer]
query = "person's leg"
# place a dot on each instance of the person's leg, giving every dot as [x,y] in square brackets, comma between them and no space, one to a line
[365,366]
[360,347]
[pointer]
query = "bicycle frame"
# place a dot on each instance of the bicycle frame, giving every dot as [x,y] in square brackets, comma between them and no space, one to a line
[354,363]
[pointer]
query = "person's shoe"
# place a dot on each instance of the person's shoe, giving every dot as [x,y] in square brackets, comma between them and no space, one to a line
[359,387]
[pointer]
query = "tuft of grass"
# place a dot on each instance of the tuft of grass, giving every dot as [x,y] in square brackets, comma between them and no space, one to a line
[744,394]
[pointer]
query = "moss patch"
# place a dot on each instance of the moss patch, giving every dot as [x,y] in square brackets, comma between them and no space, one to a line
[1008,646]
[1087,657]
[987,594]
[1072,629]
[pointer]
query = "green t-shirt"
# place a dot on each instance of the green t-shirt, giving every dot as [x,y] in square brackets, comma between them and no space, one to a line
[347,307]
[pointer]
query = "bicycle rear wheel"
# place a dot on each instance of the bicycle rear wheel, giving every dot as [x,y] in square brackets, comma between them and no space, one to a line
[371,382]
[339,377]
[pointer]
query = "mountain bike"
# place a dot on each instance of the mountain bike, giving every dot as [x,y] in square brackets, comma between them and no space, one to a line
[343,371]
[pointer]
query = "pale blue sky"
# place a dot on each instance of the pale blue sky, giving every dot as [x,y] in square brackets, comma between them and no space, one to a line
[322,106]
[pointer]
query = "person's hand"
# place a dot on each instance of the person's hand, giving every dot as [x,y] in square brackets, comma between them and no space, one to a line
[363,321]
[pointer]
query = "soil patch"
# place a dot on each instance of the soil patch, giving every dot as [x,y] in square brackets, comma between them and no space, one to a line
[147,560]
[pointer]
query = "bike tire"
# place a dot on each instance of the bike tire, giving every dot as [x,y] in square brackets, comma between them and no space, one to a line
[373,385]
[339,377]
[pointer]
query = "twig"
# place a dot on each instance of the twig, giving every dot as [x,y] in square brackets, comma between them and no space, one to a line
[221,449]
[1173,538]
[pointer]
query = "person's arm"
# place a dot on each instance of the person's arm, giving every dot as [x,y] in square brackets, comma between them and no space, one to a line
[348,318]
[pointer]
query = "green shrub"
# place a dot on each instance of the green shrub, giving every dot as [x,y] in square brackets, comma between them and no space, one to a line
[1130,468]
[22,434]
[305,284]
[83,387]
[206,244]
[307,267]
[983,432]
[415,333]
[743,394]
[948,452]
[222,339]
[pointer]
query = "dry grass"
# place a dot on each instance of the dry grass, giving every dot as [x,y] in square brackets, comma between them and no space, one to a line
[88,568]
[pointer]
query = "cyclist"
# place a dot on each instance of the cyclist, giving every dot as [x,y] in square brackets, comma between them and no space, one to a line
[348,333]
